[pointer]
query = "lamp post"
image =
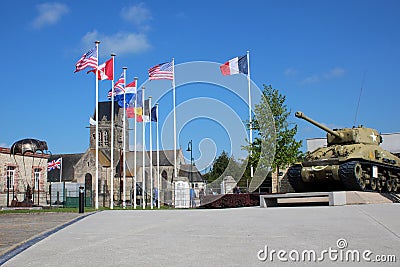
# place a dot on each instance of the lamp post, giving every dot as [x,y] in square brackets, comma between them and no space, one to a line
[190,149]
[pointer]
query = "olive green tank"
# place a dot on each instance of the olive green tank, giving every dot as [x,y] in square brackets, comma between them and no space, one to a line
[352,160]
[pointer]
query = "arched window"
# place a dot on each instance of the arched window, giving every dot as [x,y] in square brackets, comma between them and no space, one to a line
[106,139]
[100,138]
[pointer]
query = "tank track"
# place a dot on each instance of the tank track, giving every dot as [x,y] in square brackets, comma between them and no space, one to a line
[294,177]
[350,182]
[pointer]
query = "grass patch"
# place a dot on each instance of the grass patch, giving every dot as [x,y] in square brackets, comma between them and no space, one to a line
[76,210]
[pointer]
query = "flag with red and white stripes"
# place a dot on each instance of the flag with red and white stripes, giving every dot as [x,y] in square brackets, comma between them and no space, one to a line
[89,59]
[162,71]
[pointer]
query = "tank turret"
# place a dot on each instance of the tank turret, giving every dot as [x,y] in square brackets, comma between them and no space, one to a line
[355,135]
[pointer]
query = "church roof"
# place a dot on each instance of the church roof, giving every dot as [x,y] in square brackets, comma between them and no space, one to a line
[68,162]
[166,159]
[185,171]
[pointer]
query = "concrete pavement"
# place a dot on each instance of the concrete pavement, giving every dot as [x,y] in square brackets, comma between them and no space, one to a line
[227,237]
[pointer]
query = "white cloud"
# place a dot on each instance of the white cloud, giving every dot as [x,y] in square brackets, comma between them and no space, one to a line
[311,79]
[333,73]
[49,14]
[138,14]
[290,72]
[120,43]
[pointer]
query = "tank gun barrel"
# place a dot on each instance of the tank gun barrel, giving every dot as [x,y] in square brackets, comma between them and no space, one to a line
[301,115]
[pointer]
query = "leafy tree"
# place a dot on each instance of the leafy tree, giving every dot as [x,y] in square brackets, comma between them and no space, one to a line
[275,136]
[223,165]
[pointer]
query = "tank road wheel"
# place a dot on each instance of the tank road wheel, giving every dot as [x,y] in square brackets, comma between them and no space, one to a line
[395,185]
[389,185]
[379,184]
[373,183]
[358,174]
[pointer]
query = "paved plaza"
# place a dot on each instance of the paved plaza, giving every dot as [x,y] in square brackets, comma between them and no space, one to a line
[224,237]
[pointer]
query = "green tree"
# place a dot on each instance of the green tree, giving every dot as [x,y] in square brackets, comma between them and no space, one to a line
[271,126]
[223,165]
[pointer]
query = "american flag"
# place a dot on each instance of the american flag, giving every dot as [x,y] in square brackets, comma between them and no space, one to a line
[54,164]
[162,71]
[87,60]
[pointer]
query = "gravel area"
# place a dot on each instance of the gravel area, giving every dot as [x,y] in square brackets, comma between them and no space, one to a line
[16,228]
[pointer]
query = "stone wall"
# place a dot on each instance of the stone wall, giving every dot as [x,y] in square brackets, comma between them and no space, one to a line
[23,175]
[280,183]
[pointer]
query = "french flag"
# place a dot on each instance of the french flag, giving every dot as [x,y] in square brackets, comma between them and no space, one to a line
[235,66]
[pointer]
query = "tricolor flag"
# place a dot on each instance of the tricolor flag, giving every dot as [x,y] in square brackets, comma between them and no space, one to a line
[130,92]
[162,71]
[105,70]
[54,164]
[135,105]
[235,66]
[146,113]
[87,60]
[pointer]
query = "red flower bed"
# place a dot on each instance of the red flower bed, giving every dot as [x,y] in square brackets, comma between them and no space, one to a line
[230,201]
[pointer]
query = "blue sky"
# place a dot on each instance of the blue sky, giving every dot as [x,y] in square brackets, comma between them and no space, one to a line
[315,52]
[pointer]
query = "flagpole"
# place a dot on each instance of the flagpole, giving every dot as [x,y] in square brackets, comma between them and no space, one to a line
[158,162]
[143,154]
[61,170]
[112,139]
[124,145]
[134,170]
[97,130]
[174,104]
[250,119]
[151,158]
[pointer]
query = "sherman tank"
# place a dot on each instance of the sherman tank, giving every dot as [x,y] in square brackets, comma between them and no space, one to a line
[352,160]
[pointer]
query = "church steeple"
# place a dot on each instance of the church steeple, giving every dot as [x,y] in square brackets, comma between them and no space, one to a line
[105,127]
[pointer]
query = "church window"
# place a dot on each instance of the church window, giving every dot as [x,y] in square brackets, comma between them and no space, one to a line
[100,138]
[106,139]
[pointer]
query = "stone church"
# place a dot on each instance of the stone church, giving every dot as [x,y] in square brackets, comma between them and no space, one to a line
[81,168]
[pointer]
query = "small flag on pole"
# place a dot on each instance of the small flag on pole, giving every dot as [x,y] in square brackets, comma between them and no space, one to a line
[54,164]
[87,60]
[145,117]
[162,71]
[154,114]
[130,92]
[105,70]
[135,106]
[235,66]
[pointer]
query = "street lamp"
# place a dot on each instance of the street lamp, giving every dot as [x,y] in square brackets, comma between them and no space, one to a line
[190,149]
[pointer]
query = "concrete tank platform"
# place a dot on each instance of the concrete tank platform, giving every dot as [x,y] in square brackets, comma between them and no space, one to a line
[336,198]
